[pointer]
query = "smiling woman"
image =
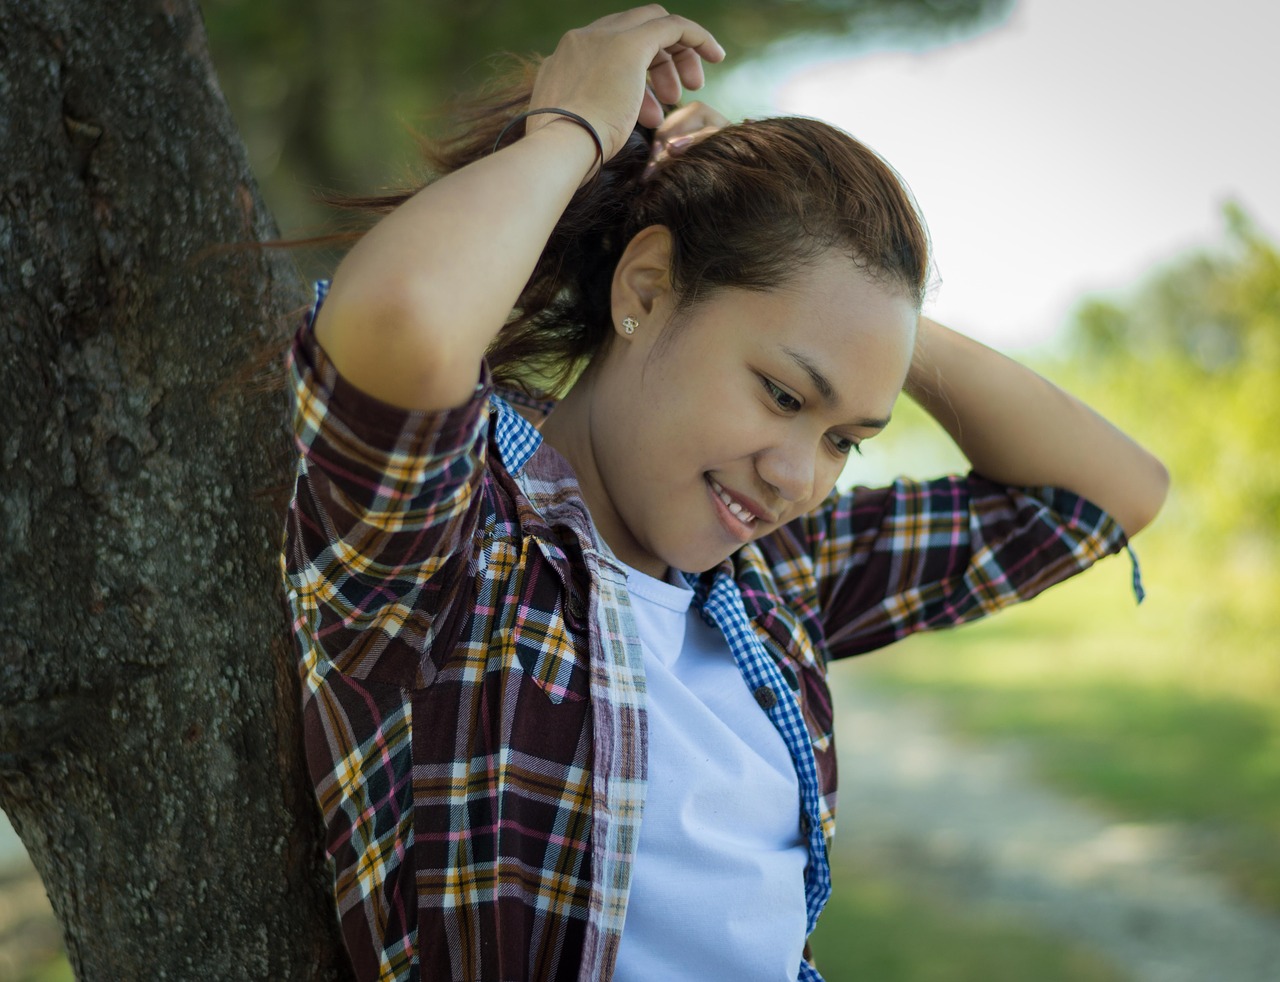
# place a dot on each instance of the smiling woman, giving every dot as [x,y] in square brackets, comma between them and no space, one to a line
[753,368]
[564,638]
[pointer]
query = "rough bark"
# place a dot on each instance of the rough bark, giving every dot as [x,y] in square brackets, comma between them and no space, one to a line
[149,740]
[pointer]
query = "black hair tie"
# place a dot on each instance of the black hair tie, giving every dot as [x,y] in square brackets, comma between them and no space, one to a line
[595,137]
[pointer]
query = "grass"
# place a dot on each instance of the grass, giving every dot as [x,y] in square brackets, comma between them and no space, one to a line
[1165,713]
[878,926]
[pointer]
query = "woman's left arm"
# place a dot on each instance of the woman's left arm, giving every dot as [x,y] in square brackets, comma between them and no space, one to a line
[1020,429]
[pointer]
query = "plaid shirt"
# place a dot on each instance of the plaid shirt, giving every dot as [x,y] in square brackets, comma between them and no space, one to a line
[473,687]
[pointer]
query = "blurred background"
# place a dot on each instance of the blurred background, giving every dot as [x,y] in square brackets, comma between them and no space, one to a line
[1083,789]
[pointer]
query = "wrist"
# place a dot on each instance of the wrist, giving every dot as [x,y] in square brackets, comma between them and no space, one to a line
[540,121]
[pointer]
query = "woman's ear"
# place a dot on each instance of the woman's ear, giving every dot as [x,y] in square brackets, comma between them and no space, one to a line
[641,287]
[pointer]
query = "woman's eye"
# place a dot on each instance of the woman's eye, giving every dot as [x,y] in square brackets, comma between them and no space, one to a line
[784,399]
[843,445]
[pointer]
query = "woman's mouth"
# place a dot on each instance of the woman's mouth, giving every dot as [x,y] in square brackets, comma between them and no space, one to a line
[739,521]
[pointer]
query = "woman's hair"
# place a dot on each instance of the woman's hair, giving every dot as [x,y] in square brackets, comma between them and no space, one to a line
[748,206]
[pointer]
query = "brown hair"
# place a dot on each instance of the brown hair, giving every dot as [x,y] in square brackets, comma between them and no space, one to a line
[747,207]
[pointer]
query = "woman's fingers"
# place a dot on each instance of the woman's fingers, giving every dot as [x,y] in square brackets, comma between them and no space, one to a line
[681,129]
[624,20]
[650,110]
[676,32]
[689,67]
[689,119]
[680,64]
[673,71]
[673,68]
[600,71]
[663,78]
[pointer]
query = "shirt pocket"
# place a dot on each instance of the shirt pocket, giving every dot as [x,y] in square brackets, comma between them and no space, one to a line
[543,629]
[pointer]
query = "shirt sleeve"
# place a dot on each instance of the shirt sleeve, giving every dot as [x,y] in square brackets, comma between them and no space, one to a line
[917,556]
[384,498]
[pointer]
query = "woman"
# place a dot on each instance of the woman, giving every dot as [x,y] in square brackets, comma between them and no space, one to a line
[525,626]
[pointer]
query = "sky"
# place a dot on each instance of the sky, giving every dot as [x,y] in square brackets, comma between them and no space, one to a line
[1066,151]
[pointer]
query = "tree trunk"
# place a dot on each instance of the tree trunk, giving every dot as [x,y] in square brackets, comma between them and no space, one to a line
[150,753]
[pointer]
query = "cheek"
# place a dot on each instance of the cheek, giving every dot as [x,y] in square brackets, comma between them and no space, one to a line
[827,473]
[698,420]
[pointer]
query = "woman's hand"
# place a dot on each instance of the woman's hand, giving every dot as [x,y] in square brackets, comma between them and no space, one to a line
[600,72]
[412,307]
[681,129]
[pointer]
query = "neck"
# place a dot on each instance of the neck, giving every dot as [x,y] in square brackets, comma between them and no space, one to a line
[570,430]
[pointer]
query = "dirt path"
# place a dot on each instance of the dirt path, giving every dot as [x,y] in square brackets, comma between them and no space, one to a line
[969,820]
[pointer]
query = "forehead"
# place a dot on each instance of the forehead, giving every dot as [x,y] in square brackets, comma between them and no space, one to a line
[859,331]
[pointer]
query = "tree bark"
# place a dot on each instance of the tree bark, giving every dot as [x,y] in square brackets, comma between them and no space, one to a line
[149,735]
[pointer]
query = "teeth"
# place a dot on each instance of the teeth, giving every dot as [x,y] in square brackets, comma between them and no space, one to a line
[735,509]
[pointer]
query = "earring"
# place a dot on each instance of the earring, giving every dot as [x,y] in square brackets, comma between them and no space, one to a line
[629,324]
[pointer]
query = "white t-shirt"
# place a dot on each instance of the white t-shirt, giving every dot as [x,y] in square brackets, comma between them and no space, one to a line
[717,890]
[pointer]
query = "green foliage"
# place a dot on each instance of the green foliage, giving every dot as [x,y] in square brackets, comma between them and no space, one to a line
[1193,357]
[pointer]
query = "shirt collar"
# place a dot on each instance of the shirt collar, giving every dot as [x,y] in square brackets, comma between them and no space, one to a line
[517,438]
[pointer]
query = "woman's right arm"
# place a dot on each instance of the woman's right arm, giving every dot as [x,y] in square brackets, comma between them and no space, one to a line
[415,303]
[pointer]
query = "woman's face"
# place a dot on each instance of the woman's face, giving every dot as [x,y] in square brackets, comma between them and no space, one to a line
[743,416]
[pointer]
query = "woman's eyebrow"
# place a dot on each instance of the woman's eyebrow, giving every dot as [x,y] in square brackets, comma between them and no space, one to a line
[820,381]
[825,388]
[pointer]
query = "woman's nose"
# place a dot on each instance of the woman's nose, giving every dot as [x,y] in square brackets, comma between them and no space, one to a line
[789,470]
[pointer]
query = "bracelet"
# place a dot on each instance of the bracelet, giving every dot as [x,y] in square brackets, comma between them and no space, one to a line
[595,137]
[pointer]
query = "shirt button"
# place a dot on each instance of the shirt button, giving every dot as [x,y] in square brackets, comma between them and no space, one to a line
[804,823]
[765,697]
[576,607]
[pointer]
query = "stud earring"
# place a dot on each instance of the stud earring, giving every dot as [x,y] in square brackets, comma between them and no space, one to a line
[629,324]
